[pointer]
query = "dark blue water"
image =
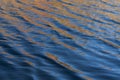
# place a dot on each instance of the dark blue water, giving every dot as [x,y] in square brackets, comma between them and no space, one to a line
[59,39]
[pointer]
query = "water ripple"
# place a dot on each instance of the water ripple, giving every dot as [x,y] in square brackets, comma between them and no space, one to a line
[59,40]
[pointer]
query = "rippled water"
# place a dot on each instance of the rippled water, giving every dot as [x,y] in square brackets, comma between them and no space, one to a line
[59,39]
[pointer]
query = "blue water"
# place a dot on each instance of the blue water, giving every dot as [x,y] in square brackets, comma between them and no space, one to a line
[59,40]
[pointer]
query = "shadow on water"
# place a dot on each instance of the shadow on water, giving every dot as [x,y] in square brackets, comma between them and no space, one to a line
[59,40]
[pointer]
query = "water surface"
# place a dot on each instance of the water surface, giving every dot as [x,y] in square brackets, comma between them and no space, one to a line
[59,39]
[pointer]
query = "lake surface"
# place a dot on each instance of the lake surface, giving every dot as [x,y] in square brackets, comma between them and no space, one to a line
[59,39]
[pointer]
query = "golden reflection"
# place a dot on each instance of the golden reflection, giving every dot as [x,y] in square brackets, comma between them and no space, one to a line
[109,42]
[43,4]
[26,53]
[56,59]
[29,63]
[70,25]
[61,43]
